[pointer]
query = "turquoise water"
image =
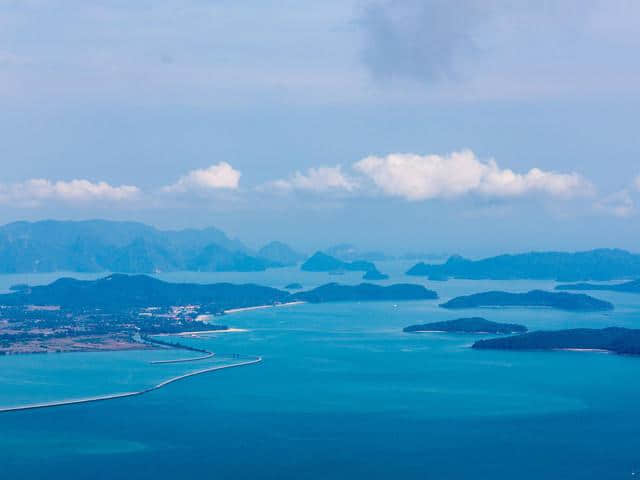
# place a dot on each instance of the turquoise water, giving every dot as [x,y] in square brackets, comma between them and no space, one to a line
[342,393]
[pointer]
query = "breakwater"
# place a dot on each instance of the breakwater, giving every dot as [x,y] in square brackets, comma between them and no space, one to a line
[113,396]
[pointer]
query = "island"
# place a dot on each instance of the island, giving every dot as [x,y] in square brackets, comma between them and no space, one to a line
[375,275]
[534,298]
[293,286]
[334,292]
[467,325]
[600,264]
[612,339]
[628,287]
[321,262]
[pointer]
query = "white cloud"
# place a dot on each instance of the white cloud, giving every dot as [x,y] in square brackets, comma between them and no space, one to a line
[619,204]
[219,176]
[421,177]
[35,191]
[320,179]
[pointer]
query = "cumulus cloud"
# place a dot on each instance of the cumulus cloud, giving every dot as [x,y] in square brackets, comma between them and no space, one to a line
[320,179]
[421,177]
[219,176]
[618,204]
[35,191]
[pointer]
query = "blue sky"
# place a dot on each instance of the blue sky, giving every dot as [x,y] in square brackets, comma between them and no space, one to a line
[467,126]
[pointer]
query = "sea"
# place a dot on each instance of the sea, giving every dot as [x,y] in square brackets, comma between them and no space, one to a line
[341,393]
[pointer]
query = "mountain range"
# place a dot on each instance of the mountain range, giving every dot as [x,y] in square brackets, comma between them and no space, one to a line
[600,264]
[129,247]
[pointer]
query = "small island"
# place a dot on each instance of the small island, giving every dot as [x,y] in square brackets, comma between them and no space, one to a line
[467,325]
[374,275]
[535,298]
[628,287]
[293,286]
[612,339]
[334,292]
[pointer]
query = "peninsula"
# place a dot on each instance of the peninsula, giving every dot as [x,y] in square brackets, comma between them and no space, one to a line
[467,325]
[534,298]
[613,339]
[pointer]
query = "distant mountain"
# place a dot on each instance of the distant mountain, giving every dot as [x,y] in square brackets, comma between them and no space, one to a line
[617,340]
[534,298]
[467,325]
[214,258]
[129,247]
[333,292]
[602,264]
[349,253]
[424,256]
[321,262]
[281,254]
[629,287]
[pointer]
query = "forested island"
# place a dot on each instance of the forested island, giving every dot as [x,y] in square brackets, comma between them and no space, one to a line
[613,339]
[534,298]
[629,287]
[334,292]
[467,325]
[601,264]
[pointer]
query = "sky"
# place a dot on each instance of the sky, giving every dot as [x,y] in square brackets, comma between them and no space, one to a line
[473,127]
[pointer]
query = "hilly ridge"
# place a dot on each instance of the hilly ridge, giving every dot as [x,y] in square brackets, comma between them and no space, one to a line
[127,247]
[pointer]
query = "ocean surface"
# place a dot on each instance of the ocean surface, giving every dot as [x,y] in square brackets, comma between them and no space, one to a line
[342,393]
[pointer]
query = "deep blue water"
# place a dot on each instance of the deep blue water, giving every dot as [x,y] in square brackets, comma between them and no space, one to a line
[342,393]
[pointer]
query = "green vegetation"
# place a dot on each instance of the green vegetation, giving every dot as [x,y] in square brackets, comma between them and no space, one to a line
[613,339]
[333,292]
[467,325]
[534,298]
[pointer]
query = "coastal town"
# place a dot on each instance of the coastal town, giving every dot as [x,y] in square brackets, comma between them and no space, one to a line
[52,328]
